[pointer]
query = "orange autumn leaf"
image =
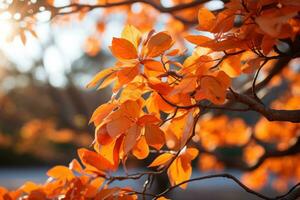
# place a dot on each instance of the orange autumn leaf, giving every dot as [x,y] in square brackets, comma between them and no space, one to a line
[132,91]
[148,119]
[160,87]
[197,39]
[131,136]
[191,154]
[206,19]
[153,65]
[181,170]
[107,81]
[118,126]
[111,151]
[232,66]
[101,112]
[141,149]
[102,136]
[267,44]
[155,103]
[158,44]
[178,130]
[274,22]
[162,198]
[186,85]
[162,159]
[60,172]
[29,187]
[76,166]
[154,136]
[94,161]
[93,187]
[101,75]
[212,89]
[159,102]
[127,74]
[123,49]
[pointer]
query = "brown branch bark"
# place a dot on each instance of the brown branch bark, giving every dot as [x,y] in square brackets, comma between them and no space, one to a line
[75,7]
[158,7]
[270,114]
[278,67]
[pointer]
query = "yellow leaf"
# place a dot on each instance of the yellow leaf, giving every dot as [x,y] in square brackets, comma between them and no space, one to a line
[132,34]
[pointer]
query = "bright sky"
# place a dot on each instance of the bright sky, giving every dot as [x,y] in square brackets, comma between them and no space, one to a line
[68,42]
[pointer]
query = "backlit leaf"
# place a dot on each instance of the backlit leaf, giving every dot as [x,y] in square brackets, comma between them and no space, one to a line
[123,49]
[158,44]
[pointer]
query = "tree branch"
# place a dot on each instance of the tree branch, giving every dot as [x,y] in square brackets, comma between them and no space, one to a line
[278,67]
[75,7]
[158,7]
[290,195]
[270,114]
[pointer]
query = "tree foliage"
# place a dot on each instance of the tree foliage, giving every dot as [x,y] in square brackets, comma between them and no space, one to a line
[172,103]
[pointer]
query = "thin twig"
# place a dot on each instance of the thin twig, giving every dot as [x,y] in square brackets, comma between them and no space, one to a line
[228,176]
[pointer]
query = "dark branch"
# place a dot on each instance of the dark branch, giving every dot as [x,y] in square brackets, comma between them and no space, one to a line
[270,114]
[75,7]
[236,180]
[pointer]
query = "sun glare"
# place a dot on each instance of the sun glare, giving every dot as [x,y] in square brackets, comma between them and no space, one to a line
[6,31]
[6,27]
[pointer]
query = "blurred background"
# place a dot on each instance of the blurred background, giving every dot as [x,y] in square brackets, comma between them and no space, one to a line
[45,107]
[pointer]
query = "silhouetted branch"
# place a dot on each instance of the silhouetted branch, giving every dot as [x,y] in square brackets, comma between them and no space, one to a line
[270,114]
[292,194]
[75,7]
